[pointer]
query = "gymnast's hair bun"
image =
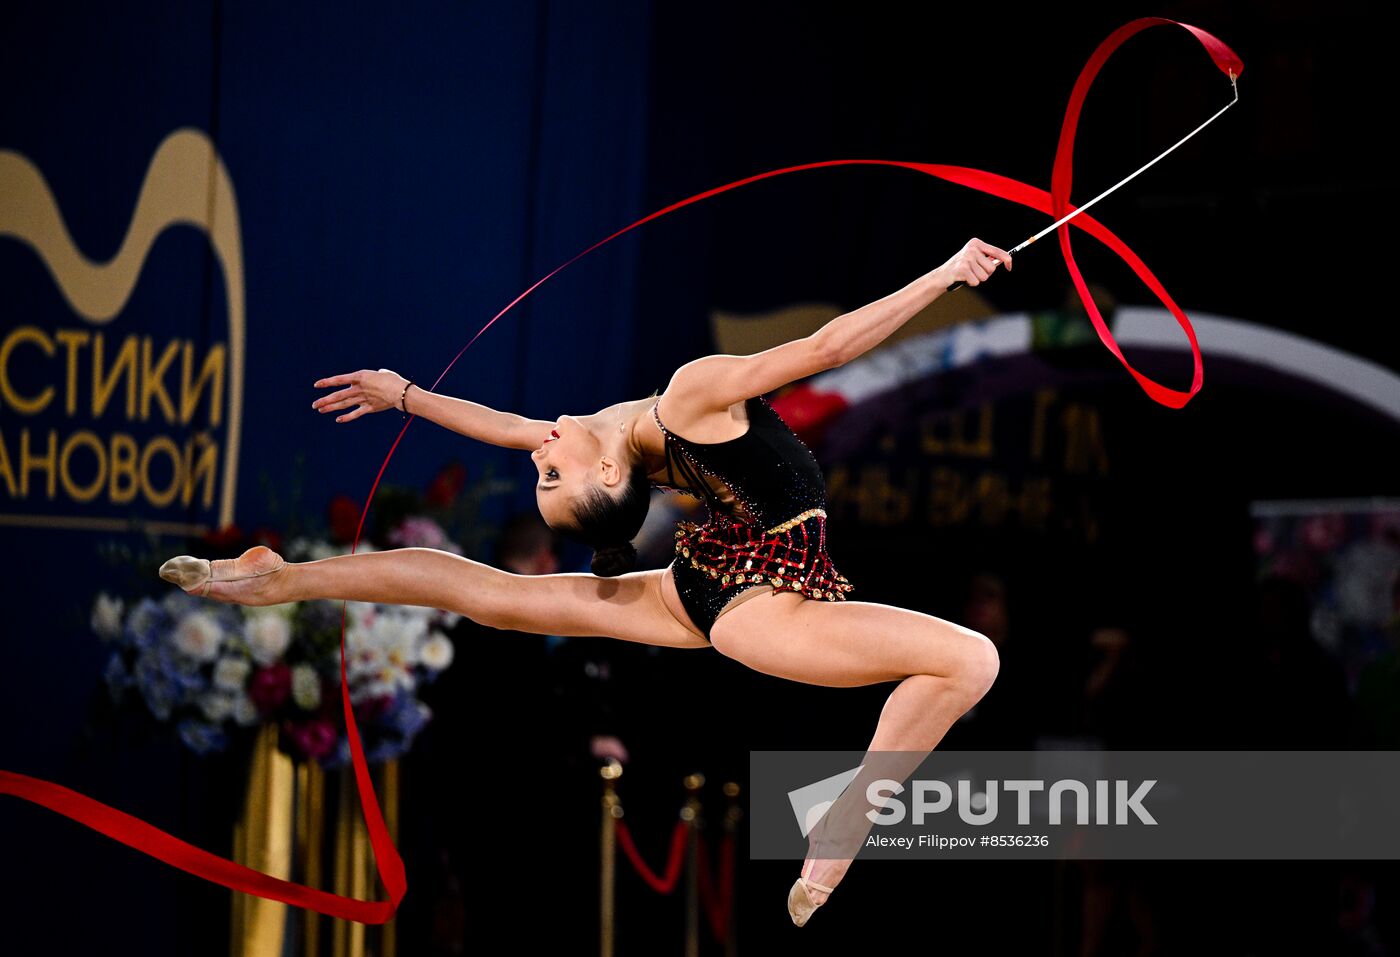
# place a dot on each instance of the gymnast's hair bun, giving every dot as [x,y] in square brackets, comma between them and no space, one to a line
[614,560]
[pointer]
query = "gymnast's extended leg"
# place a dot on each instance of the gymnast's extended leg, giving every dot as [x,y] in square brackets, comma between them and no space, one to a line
[569,604]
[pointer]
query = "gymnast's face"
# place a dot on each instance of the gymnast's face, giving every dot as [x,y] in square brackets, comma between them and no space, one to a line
[569,465]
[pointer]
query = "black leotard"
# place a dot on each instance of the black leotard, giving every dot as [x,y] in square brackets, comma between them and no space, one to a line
[769,530]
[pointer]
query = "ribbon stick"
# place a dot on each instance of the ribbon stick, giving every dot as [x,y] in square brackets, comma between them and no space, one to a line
[1068,216]
[165,847]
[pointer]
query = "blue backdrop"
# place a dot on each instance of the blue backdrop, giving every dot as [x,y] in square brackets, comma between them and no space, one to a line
[399,175]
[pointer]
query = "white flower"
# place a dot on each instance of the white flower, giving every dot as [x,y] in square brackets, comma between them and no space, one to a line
[363,661]
[287,609]
[382,647]
[268,635]
[417,615]
[315,551]
[373,689]
[359,615]
[230,674]
[306,687]
[297,549]
[107,616]
[244,711]
[216,705]
[436,652]
[198,636]
[387,635]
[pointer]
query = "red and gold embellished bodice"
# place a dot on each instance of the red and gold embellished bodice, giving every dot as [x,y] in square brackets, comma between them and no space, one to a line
[767,507]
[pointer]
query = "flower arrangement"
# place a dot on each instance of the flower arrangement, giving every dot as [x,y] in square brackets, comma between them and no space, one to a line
[1343,557]
[210,669]
[215,671]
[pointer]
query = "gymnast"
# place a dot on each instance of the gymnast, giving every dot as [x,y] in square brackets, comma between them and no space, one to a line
[754,581]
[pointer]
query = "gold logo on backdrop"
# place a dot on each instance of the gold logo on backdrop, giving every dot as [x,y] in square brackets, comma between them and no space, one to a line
[100,378]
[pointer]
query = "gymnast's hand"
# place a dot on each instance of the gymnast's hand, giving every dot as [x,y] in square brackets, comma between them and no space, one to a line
[369,391]
[974,263]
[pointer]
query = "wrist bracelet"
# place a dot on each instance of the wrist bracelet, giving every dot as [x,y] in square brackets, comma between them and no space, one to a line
[402,395]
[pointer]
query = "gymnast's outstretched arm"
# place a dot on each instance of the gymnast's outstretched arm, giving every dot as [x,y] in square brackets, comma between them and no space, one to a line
[718,381]
[375,391]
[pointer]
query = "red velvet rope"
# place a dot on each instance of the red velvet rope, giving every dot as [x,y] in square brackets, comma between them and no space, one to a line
[717,898]
[662,885]
[165,847]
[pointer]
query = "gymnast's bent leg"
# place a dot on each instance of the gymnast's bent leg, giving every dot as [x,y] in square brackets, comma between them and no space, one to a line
[942,669]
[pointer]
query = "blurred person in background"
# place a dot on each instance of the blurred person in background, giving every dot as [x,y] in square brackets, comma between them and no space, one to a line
[1004,718]
[1378,688]
[1296,695]
[1119,896]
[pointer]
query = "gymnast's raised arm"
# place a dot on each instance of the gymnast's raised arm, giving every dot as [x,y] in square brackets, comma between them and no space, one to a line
[374,391]
[717,382]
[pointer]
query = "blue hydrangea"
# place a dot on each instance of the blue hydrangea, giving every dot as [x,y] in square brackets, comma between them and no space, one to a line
[408,716]
[384,751]
[200,736]
[147,625]
[156,686]
[187,675]
[118,680]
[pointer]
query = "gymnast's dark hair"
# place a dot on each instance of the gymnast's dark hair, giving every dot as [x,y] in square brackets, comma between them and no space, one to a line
[607,523]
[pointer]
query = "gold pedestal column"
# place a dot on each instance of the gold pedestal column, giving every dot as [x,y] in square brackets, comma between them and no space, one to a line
[284,806]
[690,813]
[262,840]
[310,830]
[354,861]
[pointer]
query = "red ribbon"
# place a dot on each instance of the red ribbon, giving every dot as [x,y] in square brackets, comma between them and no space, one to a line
[165,847]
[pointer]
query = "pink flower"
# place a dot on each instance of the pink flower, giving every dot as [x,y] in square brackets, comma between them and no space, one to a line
[315,738]
[1324,533]
[420,532]
[1263,541]
[270,687]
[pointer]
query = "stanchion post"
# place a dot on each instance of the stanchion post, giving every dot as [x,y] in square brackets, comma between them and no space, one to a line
[690,813]
[389,937]
[310,837]
[341,876]
[733,813]
[607,867]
